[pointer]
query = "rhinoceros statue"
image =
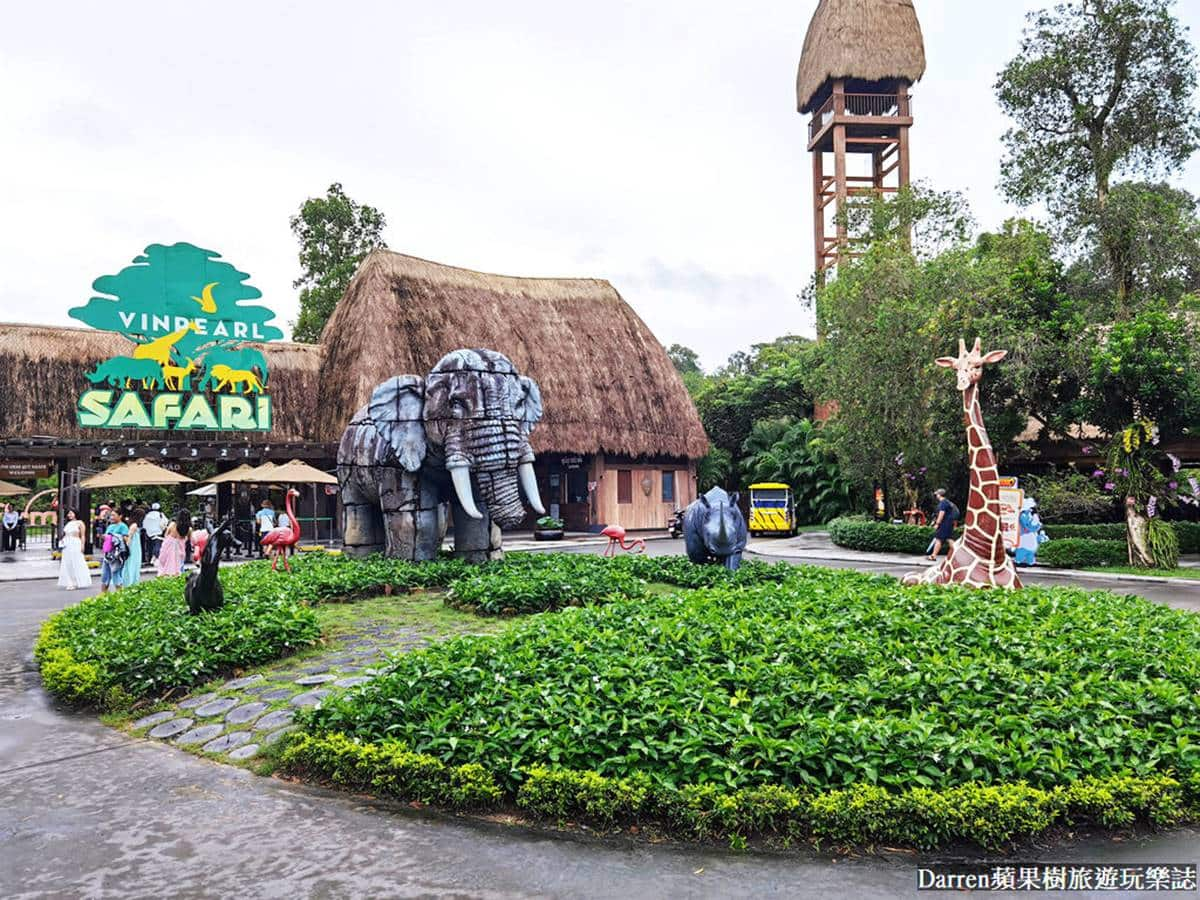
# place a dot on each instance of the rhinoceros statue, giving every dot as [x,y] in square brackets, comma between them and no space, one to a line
[714,529]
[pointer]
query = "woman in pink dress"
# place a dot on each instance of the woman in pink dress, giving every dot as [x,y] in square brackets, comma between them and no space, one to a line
[170,557]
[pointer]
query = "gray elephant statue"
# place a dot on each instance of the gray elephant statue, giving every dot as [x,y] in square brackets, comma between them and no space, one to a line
[456,440]
[714,529]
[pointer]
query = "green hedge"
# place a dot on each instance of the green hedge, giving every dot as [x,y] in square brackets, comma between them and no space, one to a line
[1083,553]
[1187,532]
[991,815]
[880,537]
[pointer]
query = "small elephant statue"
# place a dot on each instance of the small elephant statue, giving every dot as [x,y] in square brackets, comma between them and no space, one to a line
[456,439]
[714,529]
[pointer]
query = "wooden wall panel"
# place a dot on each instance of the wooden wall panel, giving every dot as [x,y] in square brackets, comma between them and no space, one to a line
[646,511]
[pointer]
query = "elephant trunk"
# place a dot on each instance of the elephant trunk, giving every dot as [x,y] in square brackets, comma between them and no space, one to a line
[501,492]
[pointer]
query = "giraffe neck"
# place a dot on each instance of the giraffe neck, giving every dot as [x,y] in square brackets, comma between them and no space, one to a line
[982,527]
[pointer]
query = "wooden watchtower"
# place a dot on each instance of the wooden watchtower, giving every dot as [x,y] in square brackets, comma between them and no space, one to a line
[860,58]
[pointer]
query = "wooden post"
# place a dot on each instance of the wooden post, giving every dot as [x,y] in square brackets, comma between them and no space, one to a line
[819,214]
[839,178]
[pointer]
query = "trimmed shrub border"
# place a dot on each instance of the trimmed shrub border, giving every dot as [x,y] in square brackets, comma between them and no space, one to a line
[1081,553]
[880,537]
[992,816]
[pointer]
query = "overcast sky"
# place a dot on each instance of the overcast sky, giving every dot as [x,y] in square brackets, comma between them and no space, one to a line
[655,144]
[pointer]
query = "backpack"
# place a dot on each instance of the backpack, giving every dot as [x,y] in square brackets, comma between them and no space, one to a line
[954,513]
[117,552]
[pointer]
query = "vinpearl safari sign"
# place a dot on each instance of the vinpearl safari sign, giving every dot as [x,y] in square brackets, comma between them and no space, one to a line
[191,366]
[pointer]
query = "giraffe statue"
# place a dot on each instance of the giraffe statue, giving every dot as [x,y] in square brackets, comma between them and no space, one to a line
[978,560]
[160,349]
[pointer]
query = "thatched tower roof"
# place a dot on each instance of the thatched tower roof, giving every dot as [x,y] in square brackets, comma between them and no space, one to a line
[863,40]
[606,382]
[41,377]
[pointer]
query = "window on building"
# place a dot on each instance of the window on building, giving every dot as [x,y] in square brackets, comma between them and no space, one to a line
[668,488]
[624,485]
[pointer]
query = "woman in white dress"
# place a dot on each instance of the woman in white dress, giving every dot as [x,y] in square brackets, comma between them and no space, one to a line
[74,571]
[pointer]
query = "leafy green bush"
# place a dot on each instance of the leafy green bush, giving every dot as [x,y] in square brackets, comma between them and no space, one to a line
[993,816]
[1189,536]
[1082,553]
[143,640]
[1108,531]
[1070,497]
[823,681]
[880,537]
[389,768]
[534,582]
[1187,533]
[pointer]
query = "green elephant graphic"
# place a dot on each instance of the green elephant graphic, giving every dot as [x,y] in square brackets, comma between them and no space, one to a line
[122,371]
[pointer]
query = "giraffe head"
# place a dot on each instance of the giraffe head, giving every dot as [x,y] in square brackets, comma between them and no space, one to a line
[969,365]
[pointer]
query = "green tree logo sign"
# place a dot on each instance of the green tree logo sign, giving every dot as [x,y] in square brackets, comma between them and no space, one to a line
[187,312]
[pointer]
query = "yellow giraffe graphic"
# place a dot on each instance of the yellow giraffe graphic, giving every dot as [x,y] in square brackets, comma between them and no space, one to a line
[159,349]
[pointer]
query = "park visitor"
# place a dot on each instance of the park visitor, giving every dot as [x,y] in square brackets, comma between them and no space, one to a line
[131,573]
[174,544]
[73,573]
[116,551]
[154,525]
[943,523]
[10,522]
[266,521]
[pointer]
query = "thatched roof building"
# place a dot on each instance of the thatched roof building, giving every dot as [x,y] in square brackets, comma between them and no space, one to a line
[874,41]
[618,441]
[607,384]
[42,372]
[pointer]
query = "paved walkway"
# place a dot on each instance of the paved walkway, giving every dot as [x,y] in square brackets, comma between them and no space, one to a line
[237,718]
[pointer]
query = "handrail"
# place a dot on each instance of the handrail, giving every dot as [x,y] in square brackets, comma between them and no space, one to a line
[877,105]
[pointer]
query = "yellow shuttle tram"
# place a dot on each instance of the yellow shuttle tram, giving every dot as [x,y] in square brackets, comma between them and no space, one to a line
[772,509]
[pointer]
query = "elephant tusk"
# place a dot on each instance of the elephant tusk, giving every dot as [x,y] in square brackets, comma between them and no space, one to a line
[529,485]
[461,476]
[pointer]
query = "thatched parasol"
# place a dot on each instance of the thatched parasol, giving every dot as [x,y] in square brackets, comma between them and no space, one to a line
[243,473]
[8,489]
[135,473]
[606,382]
[260,474]
[863,40]
[297,472]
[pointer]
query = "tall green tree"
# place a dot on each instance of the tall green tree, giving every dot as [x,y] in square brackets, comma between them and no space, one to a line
[1153,230]
[1099,87]
[335,235]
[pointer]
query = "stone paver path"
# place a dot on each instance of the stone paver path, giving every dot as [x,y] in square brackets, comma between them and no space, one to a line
[237,719]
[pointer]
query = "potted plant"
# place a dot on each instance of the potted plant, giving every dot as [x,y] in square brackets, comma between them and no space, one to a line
[548,528]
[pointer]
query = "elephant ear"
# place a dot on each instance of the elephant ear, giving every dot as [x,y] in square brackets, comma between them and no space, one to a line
[395,408]
[529,404]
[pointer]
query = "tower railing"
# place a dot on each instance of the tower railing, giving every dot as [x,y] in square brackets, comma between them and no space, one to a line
[876,105]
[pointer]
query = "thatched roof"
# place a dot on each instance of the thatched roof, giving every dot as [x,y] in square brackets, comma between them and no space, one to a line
[864,40]
[606,382]
[42,369]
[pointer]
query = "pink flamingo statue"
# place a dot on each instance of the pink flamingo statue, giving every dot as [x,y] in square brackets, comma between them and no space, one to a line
[616,538]
[280,539]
